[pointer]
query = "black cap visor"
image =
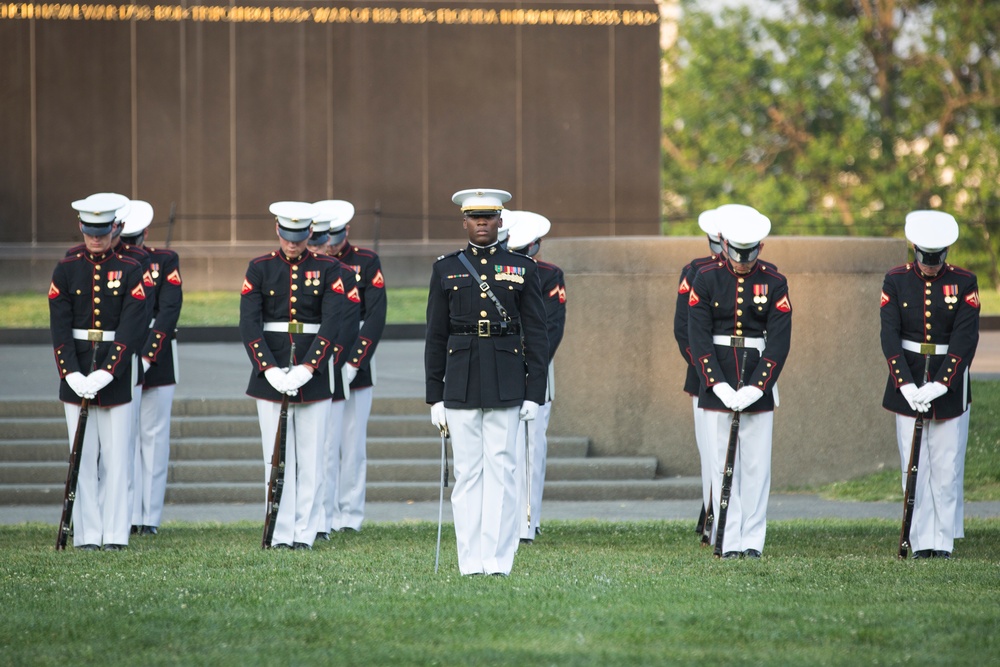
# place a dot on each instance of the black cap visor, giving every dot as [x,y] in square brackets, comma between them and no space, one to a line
[743,255]
[926,258]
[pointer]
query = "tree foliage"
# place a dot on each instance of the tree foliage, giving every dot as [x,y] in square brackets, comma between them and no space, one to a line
[838,117]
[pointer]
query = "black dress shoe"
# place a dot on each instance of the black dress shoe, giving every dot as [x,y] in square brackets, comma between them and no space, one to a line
[323,536]
[114,547]
[148,530]
[538,531]
[923,553]
[751,553]
[498,574]
[943,554]
[525,540]
[731,555]
[134,530]
[281,546]
[301,546]
[89,547]
[348,529]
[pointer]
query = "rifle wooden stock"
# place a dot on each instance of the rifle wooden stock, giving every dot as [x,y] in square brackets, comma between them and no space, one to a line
[727,472]
[910,492]
[706,531]
[276,482]
[73,473]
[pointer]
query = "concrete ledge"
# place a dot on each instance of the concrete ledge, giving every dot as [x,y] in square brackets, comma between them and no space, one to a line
[619,373]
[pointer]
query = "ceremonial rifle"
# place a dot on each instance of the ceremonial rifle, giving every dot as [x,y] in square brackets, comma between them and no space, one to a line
[276,483]
[910,494]
[727,472]
[75,455]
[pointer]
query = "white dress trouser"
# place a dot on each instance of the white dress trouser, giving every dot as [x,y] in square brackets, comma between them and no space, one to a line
[347,465]
[936,494]
[329,463]
[101,510]
[297,519]
[538,443]
[746,517]
[705,453]
[484,498]
[152,455]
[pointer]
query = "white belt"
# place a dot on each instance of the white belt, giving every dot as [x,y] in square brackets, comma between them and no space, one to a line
[924,348]
[93,335]
[739,341]
[291,327]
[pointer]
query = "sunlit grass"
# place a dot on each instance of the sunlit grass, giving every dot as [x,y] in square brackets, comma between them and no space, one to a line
[585,593]
[982,460]
[405,305]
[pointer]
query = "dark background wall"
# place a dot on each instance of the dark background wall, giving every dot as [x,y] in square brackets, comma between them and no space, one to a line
[220,115]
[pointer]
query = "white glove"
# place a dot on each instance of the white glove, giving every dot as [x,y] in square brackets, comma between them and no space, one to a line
[909,392]
[350,372]
[438,415]
[277,378]
[98,380]
[725,393]
[145,365]
[78,383]
[298,376]
[529,410]
[745,397]
[929,392]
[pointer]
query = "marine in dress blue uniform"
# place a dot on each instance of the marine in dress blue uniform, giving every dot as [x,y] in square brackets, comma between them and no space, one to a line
[160,372]
[692,383]
[739,306]
[347,461]
[97,318]
[930,316]
[485,370]
[291,296]
[525,232]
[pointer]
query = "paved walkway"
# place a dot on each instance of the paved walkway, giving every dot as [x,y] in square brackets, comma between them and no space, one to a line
[220,370]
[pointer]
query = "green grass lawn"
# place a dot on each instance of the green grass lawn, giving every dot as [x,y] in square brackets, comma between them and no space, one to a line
[405,305]
[586,593]
[982,460]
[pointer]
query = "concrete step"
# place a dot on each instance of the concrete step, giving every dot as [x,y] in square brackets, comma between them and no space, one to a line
[195,407]
[249,492]
[250,447]
[391,470]
[216,457]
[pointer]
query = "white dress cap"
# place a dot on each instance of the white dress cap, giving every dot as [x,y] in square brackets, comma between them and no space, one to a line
[335,212]
[99,208]
[931,230]
[294,219]
[137,217]
[742,226]
[527,228]
[709,223]
[481,199]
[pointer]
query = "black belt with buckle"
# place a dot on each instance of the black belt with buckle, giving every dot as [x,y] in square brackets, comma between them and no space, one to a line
[485,329]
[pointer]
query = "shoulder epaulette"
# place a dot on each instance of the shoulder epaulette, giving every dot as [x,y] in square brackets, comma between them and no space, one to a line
[450,254]
[771,269]
[962,272]
[270,255]
[125,258]
[902,268]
